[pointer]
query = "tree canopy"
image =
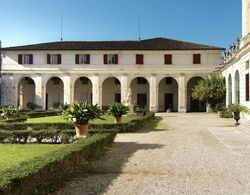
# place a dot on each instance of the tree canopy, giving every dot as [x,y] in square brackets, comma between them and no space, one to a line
[211,89]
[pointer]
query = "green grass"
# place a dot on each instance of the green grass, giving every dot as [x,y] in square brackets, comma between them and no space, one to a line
[61,119]
[14,154]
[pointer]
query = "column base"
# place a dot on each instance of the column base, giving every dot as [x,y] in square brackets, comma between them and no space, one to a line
[182,110]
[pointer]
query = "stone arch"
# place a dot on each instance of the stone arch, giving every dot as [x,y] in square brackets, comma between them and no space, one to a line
[83,88]
[229,90]
[26,92]
[168,94]
[140,92]
[54,93]
[194,105]
[111,91]
[237,87]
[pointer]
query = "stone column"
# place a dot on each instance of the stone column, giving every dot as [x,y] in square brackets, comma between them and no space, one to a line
[182,94]
[13,93]
[153,91]
[124,87]
[97,91]
[68,90]
[39,90]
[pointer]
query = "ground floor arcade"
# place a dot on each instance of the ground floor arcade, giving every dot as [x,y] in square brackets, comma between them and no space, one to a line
[153,92]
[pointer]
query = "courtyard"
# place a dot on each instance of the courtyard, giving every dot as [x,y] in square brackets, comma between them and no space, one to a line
[183,153]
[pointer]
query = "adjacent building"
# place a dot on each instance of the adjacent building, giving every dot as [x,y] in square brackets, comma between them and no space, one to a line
[235,67]
[160,73]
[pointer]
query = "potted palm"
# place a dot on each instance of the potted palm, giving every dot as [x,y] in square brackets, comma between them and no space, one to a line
[80,115]
[117,110]
[236,109]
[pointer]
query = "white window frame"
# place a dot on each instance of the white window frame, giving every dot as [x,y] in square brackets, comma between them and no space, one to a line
[111,58]
[26,57]
[84,58]
[54,56]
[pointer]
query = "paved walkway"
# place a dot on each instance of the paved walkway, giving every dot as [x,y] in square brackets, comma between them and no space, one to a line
[184,157]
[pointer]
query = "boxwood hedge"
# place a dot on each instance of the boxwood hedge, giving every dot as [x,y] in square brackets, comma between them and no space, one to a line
[43,173]
[123,127]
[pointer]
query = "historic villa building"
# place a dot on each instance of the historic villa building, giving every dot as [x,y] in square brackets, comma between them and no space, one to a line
[236,63]
[160,73]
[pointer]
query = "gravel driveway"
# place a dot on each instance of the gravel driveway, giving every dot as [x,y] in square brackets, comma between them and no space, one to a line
[181,158]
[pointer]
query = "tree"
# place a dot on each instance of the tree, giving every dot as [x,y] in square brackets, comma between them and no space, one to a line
[211,89]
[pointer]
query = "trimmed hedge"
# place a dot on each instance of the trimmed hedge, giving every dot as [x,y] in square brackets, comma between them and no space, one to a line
[37,114]
[42,174]
[42,136]
[123,127]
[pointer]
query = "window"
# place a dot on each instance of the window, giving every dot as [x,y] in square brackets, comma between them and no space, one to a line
[142,99]
[168,59]
[110,59]
[117,82]
[139,59]
[141,81]
[168,80]
[84,80]
[118,98]
[25,59]
[247,87]
[54,59]
[247,65]
[82,59]
[197,59]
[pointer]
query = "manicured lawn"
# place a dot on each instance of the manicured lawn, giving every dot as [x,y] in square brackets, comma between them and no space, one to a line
[61,119]
[13,154]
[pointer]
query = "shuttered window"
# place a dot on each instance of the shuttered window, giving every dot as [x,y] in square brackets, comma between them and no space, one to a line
[168,59]
[139,59]
[247,87]
[197,59]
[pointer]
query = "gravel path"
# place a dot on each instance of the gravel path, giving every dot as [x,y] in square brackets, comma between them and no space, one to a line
[181,158]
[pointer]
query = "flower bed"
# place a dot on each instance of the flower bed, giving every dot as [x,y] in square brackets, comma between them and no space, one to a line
[42,173]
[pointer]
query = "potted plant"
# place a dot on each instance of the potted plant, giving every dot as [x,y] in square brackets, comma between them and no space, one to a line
[8,112]
[117,110]
[80,115]
[220,108]
[236,109]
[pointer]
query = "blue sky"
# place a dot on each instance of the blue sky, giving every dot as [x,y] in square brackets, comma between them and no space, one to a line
[214,22]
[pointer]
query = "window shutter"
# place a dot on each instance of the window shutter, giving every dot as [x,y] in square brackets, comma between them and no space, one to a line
[30,59]
[88,58]
[247,87]
[59,58]
[105,59]
[20,59]
[197,59]
[77,59]
[168,59]
[48,59]
[139,59]
[116,58]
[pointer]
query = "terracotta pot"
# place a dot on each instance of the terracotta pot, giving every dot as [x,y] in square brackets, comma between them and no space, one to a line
[118,119]
[82,130]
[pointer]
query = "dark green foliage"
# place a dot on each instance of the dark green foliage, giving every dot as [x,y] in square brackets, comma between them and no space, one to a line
[123,127]
[238,108]
[43,173]
[117,110]
[31,105]
[82,113]
[211,89]
[226,114]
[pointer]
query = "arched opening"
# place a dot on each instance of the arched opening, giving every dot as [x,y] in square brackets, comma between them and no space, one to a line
[194,105]
[111,92]
[140,92]
[54,93]
[83,90]
[26,93]
[229,90]
[237,87]
[168,95]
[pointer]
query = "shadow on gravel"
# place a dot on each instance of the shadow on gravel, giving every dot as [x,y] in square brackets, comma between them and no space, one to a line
[96,178]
